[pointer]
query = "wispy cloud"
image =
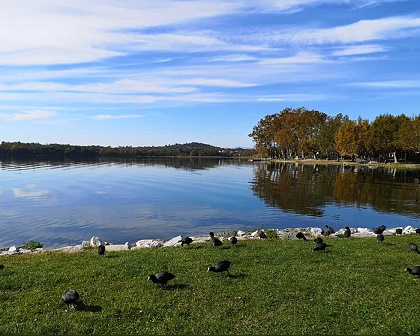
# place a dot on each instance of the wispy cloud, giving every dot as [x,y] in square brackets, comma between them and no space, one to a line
[109,116]
[33,115]
[360,49]
[392,84]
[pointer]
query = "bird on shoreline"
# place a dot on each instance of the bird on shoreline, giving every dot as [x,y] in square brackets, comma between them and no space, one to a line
[379,229]
[380,237]
[186,240]
[221,266]
[161,278]
[327,231]
[101,250]
[215,241]
[233,240]
[415,271]
[347,232]
[418,231]
[300,235]
[414,247]
[261,234]
[70,298]
[399,231]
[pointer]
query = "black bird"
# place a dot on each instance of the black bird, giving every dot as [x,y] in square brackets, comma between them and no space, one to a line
[222,266]
[1,267]
[70,297]
[300,235]
[328,230]
[320,247]
[215,241]
[379,229]
[101,249]
[418,231]
[399,231]
[415,271]
[186,240]
[347,232]
[261,234]
[233,240]
[380,237]
[318,240]
[161,278]
[414,247]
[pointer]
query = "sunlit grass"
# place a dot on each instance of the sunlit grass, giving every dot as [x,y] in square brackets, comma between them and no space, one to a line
[357,286]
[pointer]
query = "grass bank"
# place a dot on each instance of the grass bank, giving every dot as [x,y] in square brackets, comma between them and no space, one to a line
[357,286]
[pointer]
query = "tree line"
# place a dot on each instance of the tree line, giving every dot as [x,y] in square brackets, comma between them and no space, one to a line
[312,134]
[19,150]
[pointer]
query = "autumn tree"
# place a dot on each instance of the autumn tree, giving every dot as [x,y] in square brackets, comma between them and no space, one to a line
[384,134]
[351,137]
[326,137]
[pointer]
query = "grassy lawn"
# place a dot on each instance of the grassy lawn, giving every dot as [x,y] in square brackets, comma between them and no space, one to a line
[357,286]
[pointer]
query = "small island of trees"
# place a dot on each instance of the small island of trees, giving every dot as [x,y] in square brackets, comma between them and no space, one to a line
[312,134]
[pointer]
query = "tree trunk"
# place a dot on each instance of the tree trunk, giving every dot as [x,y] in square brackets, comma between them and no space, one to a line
[395,157]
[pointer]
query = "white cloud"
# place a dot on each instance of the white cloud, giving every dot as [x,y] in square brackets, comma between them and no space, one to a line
[392,84]
[360,49]
[109,116]
[32,115]
[28,192]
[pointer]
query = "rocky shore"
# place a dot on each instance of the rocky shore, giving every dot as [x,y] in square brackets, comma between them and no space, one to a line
[310,233]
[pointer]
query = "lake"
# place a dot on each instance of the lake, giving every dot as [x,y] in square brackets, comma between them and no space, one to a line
[64,203]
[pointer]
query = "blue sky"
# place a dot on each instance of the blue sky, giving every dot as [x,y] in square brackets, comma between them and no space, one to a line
[158,72]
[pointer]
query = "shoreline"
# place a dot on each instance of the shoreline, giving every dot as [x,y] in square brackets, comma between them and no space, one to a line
[288,233]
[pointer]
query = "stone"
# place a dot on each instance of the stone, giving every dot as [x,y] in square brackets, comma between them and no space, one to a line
[409,230]
[85,244]
[13,249]
[119,247]
[241,233]
[315,231]
[95,241]
[175,241]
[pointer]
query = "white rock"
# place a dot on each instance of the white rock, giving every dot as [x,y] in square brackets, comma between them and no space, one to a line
[173,242]
[24,251]
[95,241]
[85,244]
[119,247]
[409,230]
[13,249]
[156,244]
[316,231]
[241,233]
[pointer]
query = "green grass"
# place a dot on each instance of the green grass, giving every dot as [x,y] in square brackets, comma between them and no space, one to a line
[356,286]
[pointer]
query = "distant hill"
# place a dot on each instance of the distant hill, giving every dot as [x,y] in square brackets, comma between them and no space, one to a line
[61,151]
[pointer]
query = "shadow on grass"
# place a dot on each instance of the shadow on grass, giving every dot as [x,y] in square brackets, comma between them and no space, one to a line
[90,309]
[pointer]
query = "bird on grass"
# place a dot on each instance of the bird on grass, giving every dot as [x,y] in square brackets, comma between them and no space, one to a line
[320,247]
[233,240]
[101,250]
[347,232]
[414,247]
[261,234]
[161,278]
[300,235]
[379,229]
[418,231]
[221,266]
[415,271]
[186,240]
[318,240]
[380,237]
[70,298]
[215,241]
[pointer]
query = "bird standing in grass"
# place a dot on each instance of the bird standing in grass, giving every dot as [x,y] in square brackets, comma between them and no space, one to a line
[101,249]
[233,240]
[300,235]
[70,298]
[415,271]
[161,278]
[318,240]
[320,247]
[186,240]
[215,241]
[380,237]
[222,266]
[379,229]
[347,232]
[414,247]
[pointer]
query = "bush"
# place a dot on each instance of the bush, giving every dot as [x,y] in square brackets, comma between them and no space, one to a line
[32,245]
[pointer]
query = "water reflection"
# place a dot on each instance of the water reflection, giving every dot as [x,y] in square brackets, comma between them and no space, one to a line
[307,189]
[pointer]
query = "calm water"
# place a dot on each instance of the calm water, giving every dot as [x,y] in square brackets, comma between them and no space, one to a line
[65,203]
